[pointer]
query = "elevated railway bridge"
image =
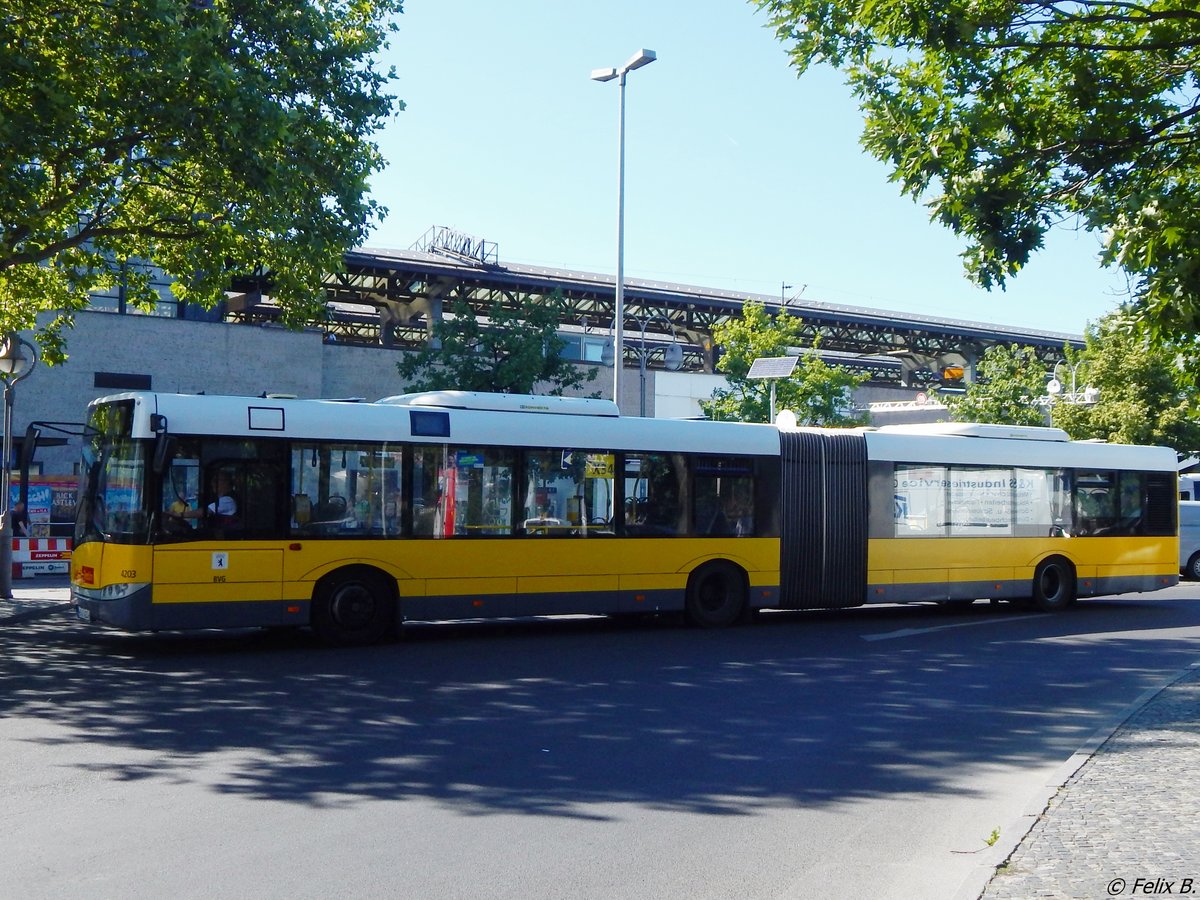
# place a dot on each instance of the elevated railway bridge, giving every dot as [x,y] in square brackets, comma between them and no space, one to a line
[393,297]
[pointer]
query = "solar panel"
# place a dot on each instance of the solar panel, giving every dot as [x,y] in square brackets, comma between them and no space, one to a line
[773,367]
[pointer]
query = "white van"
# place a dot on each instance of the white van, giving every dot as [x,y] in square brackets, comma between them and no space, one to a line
[1189,538]
[1189,487]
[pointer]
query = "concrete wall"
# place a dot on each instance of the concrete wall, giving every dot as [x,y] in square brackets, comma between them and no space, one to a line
[677,395]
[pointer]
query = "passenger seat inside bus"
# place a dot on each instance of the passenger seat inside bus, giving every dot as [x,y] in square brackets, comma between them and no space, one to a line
[332,510]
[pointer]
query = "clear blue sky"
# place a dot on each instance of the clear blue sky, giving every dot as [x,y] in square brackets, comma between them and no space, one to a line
[739,176]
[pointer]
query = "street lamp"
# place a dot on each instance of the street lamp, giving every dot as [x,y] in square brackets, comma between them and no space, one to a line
[672,355]
[641,58]
[1087,397]
[15,364]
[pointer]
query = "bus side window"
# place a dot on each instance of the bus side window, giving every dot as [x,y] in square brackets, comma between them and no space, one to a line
[1131,503]
[723,496]
[428,474]
[551,477]
[565,493]
[181,492]
[920,496]
[477,492]
[1095,502]
[655,494]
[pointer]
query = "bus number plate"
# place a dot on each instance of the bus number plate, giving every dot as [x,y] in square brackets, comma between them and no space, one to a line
[83,614]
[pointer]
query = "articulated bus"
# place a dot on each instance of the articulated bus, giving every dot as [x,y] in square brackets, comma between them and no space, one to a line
[353,518]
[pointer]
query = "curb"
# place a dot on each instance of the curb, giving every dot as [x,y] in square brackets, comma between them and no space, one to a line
[977,881]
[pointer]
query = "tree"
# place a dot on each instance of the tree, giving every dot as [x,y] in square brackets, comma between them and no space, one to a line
[1146,392]
[211,137]
[818,393]
[1008,380]
[1009,116]
[512,351]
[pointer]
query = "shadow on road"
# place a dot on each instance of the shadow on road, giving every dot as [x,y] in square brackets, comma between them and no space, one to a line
[556,717]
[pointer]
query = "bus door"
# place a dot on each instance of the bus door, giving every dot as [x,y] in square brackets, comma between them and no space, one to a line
[217,522]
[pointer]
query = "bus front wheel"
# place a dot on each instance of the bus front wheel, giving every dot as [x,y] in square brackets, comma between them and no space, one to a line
[716,595]
[1053,585]
[353,607]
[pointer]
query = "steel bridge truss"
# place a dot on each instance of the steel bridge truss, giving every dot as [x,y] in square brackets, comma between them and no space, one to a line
[393,299]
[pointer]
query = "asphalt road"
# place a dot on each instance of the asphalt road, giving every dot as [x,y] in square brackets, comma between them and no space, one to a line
[864,753]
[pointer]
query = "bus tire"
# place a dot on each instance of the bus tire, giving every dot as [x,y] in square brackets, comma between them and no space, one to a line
[716,595]
[1053,585]
[1193,567]
[353,607]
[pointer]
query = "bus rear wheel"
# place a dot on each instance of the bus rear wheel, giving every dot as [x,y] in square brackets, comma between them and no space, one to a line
[1053,585]
[716,595]
[353,607]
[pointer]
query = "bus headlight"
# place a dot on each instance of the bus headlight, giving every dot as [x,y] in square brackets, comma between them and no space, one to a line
[111,591]
[121,591]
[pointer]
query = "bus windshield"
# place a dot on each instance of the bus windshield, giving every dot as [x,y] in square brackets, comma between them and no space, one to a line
[112,501]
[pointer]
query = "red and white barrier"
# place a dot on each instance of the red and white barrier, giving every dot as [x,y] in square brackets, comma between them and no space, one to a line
[40,556]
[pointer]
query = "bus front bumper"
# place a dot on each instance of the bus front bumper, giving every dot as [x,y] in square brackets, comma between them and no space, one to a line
[124,606]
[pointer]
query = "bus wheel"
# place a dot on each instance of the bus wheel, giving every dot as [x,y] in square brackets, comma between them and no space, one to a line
[353,607]
[716,595]
[1193,567]
[1053,585]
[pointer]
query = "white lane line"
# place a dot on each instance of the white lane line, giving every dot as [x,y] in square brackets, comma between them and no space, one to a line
[912,632]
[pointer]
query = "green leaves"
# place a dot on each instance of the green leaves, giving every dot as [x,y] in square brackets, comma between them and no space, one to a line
[1007,382]
[212,140]
[818,393]
[1146,391]
[1009,116]
[514,350]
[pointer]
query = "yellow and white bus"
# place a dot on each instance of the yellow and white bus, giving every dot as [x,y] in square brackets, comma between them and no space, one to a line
[352,518]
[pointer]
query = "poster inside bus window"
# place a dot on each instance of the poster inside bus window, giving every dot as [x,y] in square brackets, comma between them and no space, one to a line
[981,501]
[919,503]
[601,465]
[1042,500]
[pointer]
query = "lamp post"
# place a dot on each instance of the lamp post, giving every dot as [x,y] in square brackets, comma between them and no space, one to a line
[641,58]
[672,356]
[14,365]
[1054,387]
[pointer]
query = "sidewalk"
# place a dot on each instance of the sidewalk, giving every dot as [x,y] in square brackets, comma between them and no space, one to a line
[1121,820]
[35,597]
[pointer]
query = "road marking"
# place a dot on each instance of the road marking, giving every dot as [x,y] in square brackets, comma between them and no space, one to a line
[912,632]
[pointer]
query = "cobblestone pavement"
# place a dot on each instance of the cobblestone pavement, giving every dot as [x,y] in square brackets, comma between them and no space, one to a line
[1127,822]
